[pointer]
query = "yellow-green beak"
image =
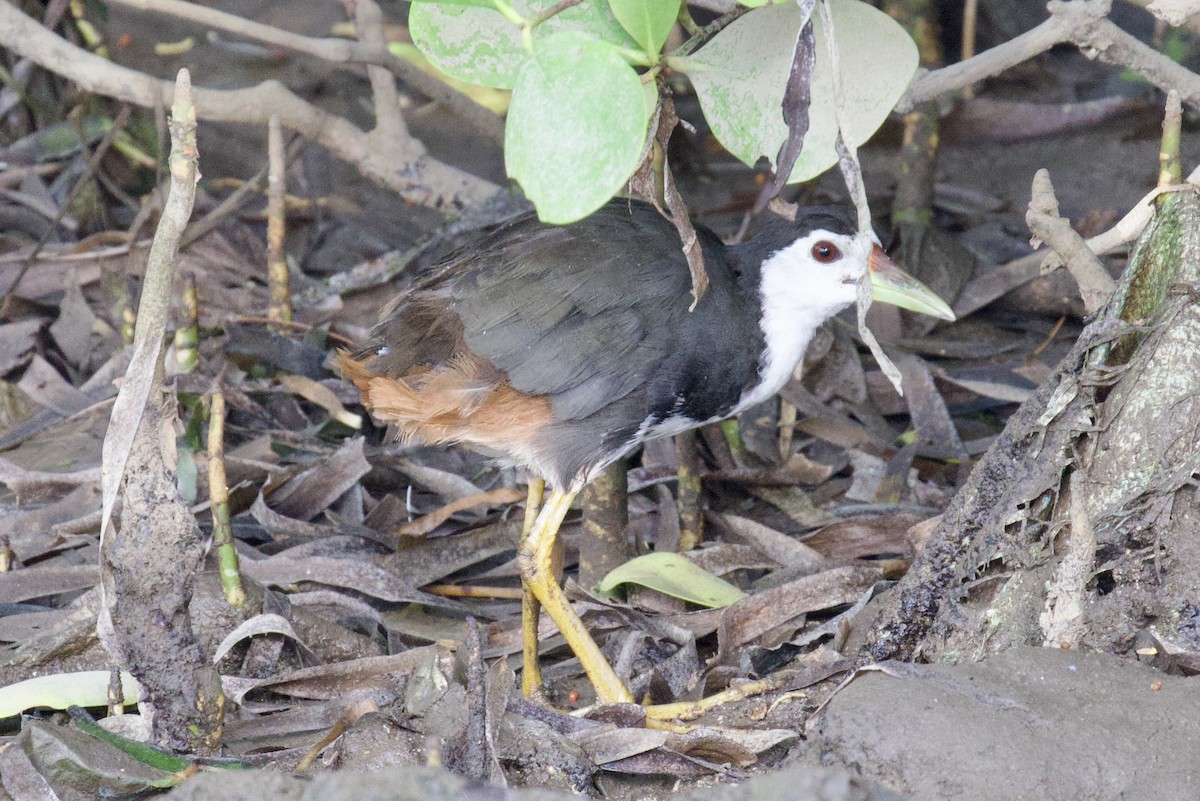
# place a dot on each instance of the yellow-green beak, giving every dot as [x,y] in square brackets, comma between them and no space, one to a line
[890,284]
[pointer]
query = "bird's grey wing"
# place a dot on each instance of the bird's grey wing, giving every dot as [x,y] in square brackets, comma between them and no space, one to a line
[565,315]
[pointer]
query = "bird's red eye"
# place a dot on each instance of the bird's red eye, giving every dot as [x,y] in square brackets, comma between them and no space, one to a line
[825,252]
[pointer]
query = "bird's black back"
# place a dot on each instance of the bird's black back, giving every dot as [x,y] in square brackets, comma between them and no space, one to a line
[594,316]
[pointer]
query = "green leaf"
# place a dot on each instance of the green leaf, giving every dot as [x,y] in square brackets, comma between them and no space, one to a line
[480,46]
[72,759]
[142,752]
[647,21]
[740,77]
[673,575]
[576,127]
[475,3]
[61,690]
[475,45]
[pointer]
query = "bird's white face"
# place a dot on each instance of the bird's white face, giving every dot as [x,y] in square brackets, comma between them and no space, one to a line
[802,286]
[817,275]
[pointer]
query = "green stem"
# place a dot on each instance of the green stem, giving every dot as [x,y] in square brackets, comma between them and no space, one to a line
[218,493]
[733,437]
[682,64]
[510,13]
[636,57]
[686,22]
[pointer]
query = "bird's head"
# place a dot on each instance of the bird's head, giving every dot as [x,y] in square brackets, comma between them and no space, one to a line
[812,268]
[807,271]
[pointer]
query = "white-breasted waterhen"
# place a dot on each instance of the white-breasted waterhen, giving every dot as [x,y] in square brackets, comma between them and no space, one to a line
[564,348]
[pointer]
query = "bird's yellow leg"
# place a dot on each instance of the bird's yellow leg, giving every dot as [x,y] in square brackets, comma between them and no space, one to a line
[531,674]
[536,561]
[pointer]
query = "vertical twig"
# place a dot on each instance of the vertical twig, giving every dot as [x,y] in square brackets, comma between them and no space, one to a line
[218,495]
[115,693]
[187,336]
[970,26]
[154,307]
[787,428]
[475,753]
[605,544]
[278,283]
[532,685]
[147,566]
[688,501]
[1170,171]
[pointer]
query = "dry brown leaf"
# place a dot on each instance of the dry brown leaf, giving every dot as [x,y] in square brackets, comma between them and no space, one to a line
[753,616]
[331,681]
[426,524]
[322,396]
[775,545]
[17,341]
[45,387]
[352,574]
[46,580]
[312,490]
[862,537]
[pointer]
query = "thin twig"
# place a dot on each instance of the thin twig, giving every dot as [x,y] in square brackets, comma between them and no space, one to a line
[1170,169]
[710,30]
[1095,284]
[278,284]
[970,20]
[552,11]
[1082,23]
[847,150]
[218,494]
[474,591]
[390,127]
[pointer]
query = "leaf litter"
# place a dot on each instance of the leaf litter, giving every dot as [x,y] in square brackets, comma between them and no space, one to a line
[345,533]
[351,527]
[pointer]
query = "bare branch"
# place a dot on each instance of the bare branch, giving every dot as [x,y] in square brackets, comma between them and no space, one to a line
[1082,23]
[406,169]
[334,50]
[390,128]
[1192,23]
[1114,46]
[1095,284]
[990,62]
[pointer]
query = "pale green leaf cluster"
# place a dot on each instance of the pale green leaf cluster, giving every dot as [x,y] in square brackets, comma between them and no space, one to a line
[577,126]
[740,77]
